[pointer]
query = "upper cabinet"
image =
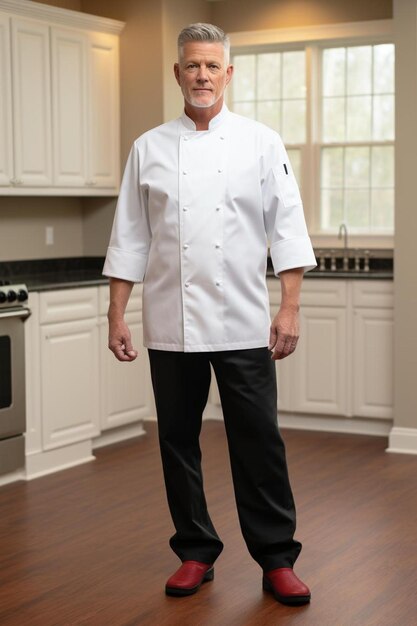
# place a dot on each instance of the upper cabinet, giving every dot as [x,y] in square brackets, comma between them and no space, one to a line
[6,136]
[59,103]
[31,98]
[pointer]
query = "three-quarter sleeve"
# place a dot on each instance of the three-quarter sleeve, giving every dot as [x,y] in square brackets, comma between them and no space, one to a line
[127,254]
[290,245]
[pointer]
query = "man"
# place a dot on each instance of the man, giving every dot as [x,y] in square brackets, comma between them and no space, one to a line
[200,199]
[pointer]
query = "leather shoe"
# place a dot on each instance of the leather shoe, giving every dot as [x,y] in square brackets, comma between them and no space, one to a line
[188,578]
[285,586]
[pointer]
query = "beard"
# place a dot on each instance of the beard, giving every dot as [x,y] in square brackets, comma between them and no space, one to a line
[198,104]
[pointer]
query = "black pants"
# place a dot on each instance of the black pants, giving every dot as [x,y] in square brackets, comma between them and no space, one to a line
[247,386]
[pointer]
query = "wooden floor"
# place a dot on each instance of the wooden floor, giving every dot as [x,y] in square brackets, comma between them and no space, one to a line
[88,546]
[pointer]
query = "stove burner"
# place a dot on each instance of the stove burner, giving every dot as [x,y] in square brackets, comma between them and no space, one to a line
[12,295]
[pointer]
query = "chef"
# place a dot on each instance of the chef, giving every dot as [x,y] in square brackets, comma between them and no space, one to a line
[201,199]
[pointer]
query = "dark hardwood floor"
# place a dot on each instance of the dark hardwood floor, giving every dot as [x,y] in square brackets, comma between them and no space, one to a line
[89,545]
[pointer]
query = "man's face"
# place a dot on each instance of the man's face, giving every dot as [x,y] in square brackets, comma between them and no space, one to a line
[202,73]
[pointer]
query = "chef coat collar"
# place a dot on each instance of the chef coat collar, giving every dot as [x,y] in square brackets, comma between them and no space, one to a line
[214,123]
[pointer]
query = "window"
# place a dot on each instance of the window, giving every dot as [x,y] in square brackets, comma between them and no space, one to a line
[334,108]
[271,88]
[357,134]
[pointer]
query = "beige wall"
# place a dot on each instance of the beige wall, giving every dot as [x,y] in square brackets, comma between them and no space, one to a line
[405,360]
[23,223]
[235,15]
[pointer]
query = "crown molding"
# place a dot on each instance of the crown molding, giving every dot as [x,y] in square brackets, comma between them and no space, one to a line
[63,17]
[345,30]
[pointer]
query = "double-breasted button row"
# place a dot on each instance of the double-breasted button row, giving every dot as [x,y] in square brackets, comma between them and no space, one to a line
[218,283]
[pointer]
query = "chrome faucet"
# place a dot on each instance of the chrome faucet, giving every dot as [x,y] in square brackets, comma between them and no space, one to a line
[343,229]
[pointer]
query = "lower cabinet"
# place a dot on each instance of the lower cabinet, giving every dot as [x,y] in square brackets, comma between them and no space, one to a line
[320,362]
[70,382]
[342,366]
[125,387]
[84,390]
[343,362]
[373,350]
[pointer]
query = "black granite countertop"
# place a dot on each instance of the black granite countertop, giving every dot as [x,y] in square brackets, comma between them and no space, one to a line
[67,273]
[49,274]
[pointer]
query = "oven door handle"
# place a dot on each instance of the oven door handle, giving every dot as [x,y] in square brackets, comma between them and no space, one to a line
[23,313]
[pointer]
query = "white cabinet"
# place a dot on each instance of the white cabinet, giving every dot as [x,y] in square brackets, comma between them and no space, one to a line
[283,367]
[85,109]
[31,103]
[76,389]
[373,350]
[320,362]
[69,106]
[70,384]
[6,136]
[343,362]
[103,111]
[125,387]
[59,103]
[69,366]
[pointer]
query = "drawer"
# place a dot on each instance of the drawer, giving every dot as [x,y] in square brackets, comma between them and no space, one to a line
[68,304]
[134,304]
[320,292]
[373,293]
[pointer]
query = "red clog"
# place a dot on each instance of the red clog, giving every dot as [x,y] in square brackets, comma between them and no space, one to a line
[285,586]
[188,578]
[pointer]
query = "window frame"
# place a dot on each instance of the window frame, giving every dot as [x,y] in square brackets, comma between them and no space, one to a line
[313,39]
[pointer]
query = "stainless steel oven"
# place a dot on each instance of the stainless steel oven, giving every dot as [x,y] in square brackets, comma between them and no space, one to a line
[13,312]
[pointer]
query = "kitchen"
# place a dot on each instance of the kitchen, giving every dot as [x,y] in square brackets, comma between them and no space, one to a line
[64,429]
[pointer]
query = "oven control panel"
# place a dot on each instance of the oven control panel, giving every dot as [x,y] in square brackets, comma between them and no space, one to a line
[13,295]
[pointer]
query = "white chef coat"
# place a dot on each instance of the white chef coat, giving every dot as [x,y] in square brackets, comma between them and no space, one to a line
[195,213]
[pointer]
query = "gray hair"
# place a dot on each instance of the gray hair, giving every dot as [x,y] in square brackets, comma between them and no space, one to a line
[204,32]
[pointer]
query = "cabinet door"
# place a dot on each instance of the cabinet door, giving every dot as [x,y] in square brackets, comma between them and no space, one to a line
[373,353]
[6,137]
[126,387]
[283,371]
[70,382]
[284,366]
[69,106]
[103,121]
[319,363]
[31,103]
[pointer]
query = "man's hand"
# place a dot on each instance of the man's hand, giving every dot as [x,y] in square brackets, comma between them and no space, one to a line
[285,330]
[120,342]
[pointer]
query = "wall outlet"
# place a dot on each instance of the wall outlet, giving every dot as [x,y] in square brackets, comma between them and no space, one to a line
[49,236]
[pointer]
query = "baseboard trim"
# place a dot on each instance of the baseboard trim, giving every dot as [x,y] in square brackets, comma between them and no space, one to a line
[121,433]
[403,440]
[50,461]
[328,424]
[12,477]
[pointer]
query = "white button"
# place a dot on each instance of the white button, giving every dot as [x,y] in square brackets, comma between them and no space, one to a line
[184,172]
[218,283]
[221,137]
[217,245]
[185,138]
[220,171]
[217,208]
[185,246]
[187,284]
[185,208]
